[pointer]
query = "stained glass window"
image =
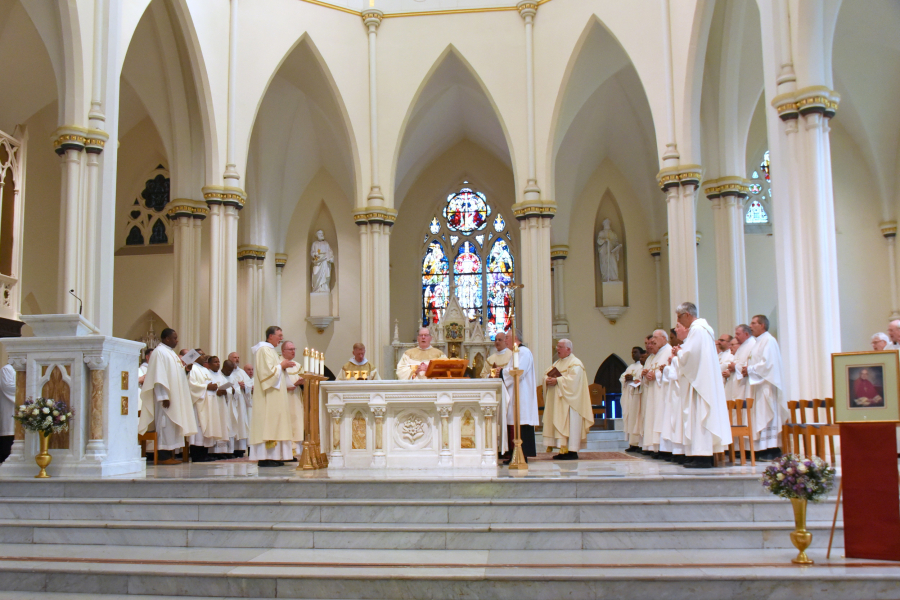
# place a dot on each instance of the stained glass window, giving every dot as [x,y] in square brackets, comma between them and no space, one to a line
[466,211]
[480,239]
[499,223]
[435,282]
[756,213]
[454,239]
[764,165]
[755,188]
[499,275]
[435,226]
[467,280]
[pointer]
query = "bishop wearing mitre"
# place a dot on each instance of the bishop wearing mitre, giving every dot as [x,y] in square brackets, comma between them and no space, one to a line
[166,399]
[567,404]
[414,361]
[358,367]
[498,359]
[270,424]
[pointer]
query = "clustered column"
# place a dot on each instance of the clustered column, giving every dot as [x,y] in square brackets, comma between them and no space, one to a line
[558,254]
[889,231]
[280,261]
[727,195]
[253,259]
[187,217]
[655,249]
[224,205]
[680,185]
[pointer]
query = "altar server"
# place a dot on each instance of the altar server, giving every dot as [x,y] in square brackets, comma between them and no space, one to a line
[499,359]
[671,436]
[295,395]
[206,410]
[737,387]
[270,424]
[528,403]
[631,400]
[358,365]
[7,410]
[224,447]
[567,404]
[240,426]
[166,399]
[653,392]
[414,361]
[705,424]
[142,370]
[244,401]
[770,409]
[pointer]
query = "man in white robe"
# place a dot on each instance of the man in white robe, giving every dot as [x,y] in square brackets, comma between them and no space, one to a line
[243,388]
[671,443]
[270,425]
[236,412]
[295,396]
[723,346]
[770,409]
[142,370]
[528,403]
[894,334]
[166,400]
[203,393]
[737,386]
[568,415]
[631,400]
[499,359]
[358,368]
[653,393]
[224,447]
[706,429]
[7,410]
[414,361]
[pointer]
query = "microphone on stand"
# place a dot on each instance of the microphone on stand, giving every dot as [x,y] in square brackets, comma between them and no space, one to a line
[80,302]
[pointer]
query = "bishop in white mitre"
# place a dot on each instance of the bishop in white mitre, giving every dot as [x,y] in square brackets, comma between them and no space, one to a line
[706,429]
[770,409]
[166,399]
[358,368]
[270,425]
[499,359]
[653,392]
[567,404]
[737,386]
[414,361]
[630,381]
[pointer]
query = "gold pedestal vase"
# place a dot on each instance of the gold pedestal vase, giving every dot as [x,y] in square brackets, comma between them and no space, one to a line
[800,537]
[43,459]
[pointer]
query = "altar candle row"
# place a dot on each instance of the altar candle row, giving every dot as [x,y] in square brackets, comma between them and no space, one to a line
[313,361]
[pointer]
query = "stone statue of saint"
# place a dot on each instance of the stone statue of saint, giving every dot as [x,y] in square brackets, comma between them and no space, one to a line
[608,247]
[322,260]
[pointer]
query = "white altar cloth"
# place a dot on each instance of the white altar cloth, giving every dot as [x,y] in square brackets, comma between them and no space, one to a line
[410,424]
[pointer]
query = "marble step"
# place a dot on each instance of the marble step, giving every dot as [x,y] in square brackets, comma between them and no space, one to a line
[51,573]
[489,536]
[591,510]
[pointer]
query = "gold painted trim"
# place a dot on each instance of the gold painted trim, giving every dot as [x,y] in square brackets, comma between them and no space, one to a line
[424,13]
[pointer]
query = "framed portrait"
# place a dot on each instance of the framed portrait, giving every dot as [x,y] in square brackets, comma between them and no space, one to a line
[866,386]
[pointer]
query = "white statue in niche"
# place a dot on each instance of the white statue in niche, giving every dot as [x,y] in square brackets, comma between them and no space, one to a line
[322,260]
[608,247]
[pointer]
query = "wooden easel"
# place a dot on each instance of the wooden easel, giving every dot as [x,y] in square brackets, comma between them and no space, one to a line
[312,457]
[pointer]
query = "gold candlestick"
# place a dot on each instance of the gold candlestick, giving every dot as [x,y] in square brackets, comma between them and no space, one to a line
[517,461]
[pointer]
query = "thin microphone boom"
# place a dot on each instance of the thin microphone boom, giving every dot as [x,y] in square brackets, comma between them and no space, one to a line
[80,302]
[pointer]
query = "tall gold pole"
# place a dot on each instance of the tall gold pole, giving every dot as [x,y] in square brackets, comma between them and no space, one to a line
[517,460]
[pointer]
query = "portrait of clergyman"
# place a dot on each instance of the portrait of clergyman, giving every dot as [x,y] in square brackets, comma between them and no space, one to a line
[866,385]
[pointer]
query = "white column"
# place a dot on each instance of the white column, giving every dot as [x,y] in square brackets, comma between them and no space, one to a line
[70,142]
[528,10]
[372,19]
[186,216]
[558,254]
[280,261]
[261,322]
[727,195]
[194,290]
[889,231]
[247,259]
[214,200]
[655,248]
[230,286]
[680,185]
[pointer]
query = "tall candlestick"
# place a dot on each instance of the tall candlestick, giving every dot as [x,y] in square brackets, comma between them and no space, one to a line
[306,360]
[516,357]
[322,366]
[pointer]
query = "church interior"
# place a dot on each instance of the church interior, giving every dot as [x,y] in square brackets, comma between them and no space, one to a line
[354,171]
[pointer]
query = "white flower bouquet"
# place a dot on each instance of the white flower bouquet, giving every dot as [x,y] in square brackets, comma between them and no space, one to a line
[44,414]
[799,477]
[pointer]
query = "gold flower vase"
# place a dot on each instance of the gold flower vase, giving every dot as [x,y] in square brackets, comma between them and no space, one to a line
[800,537]
[43,459]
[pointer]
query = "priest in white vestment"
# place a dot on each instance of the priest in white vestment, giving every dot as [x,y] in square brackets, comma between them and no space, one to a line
[270,425]
[224,447]
[499,359]
[206,410]
[358,368]
[706,428]
[894,335]
[243,391]
[770,409]
[295,395]
[528,403]
[166,400]
[414,361]
[723,346]
[7,410]
[671,446]
[567,404]
[737,385]
[631,400]
[653,393]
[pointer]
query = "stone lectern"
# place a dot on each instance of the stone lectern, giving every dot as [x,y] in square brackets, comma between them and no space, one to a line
[97,376]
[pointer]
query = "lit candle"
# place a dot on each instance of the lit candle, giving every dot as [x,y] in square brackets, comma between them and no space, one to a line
[306,360]
[322,365]
[318,362]
[516,357]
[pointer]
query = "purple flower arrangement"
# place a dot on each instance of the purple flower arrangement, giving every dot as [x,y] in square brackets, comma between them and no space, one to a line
[44,414]
[796,476]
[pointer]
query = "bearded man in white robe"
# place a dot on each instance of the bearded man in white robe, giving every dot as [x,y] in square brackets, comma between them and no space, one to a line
[653,393]
[414,361]
[567,404]
[706,428]
[499,359]
[631,400]
[737,386]
[271,436]
[770,409]
[528,404]
[166,400]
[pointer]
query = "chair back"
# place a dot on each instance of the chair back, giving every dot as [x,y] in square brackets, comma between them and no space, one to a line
[598,400]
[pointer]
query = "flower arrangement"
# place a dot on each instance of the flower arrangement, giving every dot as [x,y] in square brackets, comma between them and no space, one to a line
[44,415]
[799,477]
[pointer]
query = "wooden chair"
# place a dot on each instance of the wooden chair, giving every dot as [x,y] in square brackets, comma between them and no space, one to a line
[143,439]
[598,402]
[540,397]
[739,429]
[790,433]
[828,429]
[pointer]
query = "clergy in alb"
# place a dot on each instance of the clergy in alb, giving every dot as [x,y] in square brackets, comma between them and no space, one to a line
[270,425]
[770,409]
[206,410]
[631,400]
[706,429]
[294,393]
[528,404]
[358,368]
[498,359]
[737,386]
[414,361]
[166,399]
[567,404]
[653,392]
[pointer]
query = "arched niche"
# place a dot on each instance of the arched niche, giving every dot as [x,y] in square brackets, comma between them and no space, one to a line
[609,209]
[322,220]
[141,326]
